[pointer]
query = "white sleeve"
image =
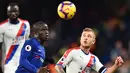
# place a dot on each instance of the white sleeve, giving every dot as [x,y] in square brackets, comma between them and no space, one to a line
[2,32]
[66,58]
[28,30]
[1,37]
[98,66]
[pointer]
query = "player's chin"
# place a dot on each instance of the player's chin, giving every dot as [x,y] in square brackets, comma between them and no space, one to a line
[87,46]
[13,16]
[47,38]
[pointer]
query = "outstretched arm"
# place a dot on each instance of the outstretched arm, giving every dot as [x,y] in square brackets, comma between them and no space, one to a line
[102,69]
[118,63]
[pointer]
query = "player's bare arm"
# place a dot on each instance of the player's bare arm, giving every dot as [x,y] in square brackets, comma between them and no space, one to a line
[118,62]
[59,69]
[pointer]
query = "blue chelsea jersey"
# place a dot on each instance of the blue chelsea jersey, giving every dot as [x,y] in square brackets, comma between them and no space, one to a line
[32,57]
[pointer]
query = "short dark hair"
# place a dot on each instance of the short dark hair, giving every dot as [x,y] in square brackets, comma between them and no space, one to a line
[90,30]
[13,4]
[39,23]
[36,27]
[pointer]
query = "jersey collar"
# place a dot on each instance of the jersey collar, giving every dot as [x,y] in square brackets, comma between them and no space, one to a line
[84,52]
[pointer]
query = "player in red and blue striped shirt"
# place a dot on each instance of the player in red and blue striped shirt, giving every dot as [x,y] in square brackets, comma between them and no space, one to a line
[13,33]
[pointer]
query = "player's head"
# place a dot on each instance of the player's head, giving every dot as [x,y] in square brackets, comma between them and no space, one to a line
[13,11]
[87,38]
[40,30]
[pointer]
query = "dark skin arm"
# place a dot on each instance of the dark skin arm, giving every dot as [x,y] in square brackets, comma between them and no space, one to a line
[0,45]
[43,70]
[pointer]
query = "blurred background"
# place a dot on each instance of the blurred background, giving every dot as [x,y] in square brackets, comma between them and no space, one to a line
[110,19]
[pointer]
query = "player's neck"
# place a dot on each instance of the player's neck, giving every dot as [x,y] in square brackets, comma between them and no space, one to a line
[85,49]
[14,21]
[41,42]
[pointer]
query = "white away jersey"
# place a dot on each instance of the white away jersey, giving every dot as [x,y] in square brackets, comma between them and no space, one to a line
[13,37]
[77,61]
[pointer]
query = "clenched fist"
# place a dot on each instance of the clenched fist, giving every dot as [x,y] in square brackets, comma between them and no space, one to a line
[119,61]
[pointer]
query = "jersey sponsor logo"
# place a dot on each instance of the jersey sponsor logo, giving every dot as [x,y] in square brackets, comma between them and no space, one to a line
[89,65]
[18,40]
[86,70]
[28,48]
[20,35]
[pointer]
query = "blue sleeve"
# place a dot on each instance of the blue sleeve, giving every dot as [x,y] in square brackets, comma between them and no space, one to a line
[24,61]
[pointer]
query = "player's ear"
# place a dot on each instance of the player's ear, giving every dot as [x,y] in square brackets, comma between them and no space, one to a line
[94,41]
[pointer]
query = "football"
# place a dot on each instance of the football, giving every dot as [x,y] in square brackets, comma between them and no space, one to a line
[66,10]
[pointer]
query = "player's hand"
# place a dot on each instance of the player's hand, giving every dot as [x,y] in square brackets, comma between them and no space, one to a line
[118,62]
[43,70]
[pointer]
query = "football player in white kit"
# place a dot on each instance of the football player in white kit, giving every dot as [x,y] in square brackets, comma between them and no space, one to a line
[13,33]
[81,60]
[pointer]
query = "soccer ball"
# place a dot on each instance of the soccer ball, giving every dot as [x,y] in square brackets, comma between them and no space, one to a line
[66,10]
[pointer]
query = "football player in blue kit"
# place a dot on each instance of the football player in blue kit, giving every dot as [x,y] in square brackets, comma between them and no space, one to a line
[33,52]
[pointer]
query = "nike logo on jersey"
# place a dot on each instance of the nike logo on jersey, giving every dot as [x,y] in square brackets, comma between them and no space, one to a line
[39,50]
[81,57]
[10,29]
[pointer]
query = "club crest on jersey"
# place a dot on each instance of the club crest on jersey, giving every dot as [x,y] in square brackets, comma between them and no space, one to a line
[87,69]
[28,48]
[62,59]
